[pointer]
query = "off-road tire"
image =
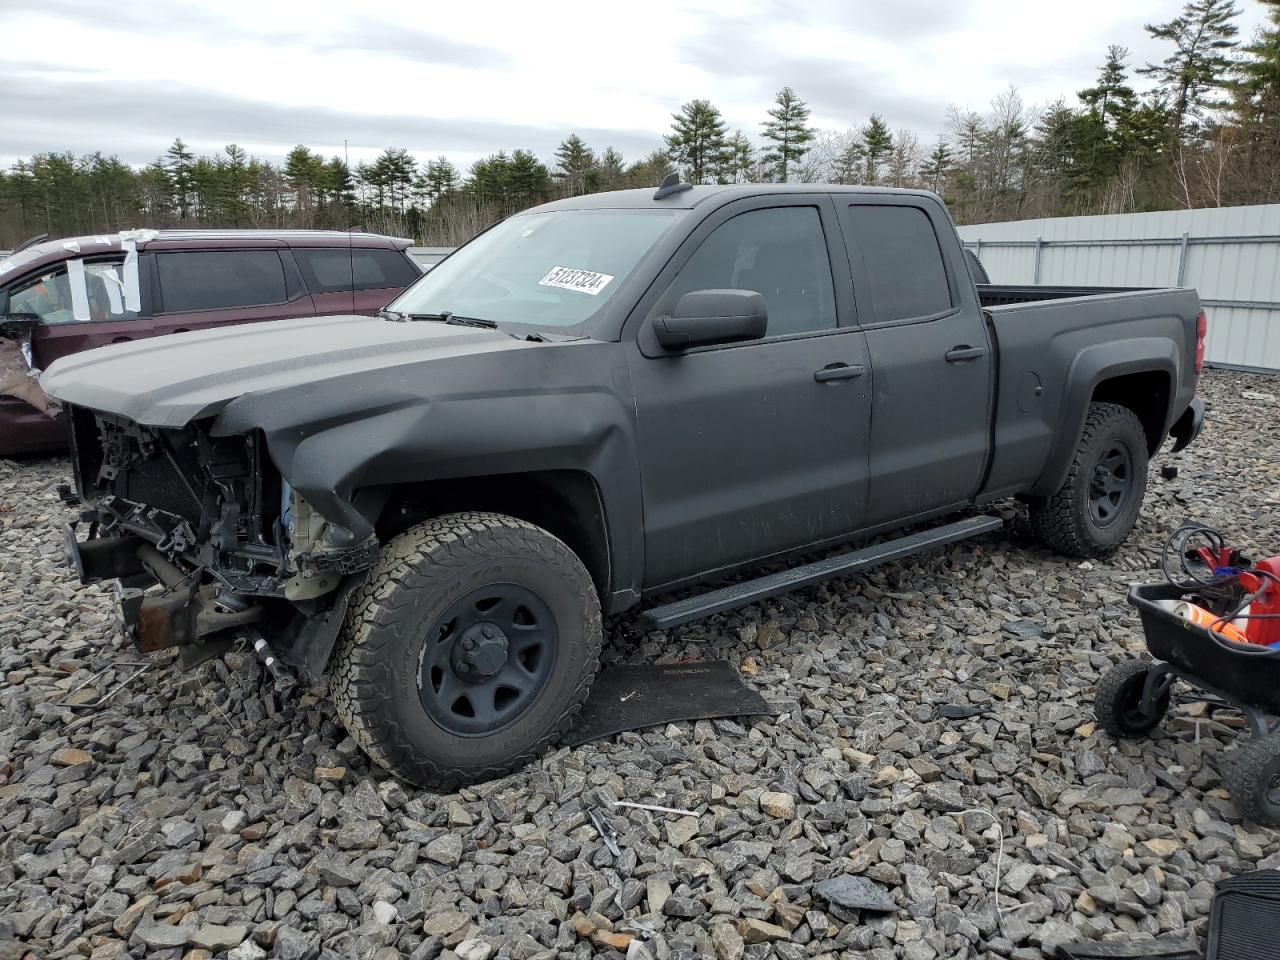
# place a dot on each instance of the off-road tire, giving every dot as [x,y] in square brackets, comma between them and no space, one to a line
[1063,522]
[1253,779]
[1118,697]
[374,672]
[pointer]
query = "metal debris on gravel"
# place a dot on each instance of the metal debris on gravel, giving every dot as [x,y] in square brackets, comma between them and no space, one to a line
[200,815]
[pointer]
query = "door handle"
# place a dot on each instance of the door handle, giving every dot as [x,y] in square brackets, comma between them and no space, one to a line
[839,371]
[964,352]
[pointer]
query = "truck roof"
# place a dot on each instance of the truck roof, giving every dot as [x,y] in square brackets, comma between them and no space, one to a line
[693,196]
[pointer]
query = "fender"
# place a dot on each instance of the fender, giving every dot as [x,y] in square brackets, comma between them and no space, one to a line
[561,407]
[1092,366]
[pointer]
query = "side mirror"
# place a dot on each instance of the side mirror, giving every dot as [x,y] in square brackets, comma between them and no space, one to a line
[704,317]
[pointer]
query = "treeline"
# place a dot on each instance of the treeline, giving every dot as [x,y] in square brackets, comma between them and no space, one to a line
[1206,133]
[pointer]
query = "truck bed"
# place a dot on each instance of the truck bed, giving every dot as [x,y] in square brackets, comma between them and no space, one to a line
[1049,339]
[1000,295]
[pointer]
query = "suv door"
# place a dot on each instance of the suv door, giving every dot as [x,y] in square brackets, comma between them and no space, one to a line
[751,449]
[929,352]
[354,279]
[197,288]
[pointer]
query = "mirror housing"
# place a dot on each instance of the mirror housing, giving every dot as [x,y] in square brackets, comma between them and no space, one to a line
[704,317]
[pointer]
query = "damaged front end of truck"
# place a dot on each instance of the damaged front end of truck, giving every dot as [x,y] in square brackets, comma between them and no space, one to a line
[210,544]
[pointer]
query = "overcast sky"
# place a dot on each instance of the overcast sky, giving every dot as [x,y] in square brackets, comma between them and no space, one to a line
[468,79]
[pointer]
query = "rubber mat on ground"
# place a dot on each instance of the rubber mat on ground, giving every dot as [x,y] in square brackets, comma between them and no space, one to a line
[1180,949]
[1245,917]
[631,697]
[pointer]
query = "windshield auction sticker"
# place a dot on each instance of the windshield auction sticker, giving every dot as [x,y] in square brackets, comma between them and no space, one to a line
[584,281]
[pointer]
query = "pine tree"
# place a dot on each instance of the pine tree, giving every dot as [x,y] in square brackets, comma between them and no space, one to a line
[697,140]
[608,173]
[788,128]
[440,178]
[937,167]
[849,164]
[1203,36]
[739,159]
[574,160]
[1257,83]
[178,165]
[1112,99]
[877,142]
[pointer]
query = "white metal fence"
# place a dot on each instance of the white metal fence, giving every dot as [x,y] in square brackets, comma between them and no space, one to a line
[1231,255]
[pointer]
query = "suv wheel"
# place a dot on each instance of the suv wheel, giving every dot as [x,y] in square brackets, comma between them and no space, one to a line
[1097,507]
[470,649]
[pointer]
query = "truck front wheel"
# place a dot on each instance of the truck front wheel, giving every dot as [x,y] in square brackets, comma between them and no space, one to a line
[1096,508]
[470,649]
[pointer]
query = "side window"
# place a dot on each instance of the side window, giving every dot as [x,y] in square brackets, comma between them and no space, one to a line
[47,296]
[218,279]
[781,253]
[906,276]
[333,269]
[83,291]
[325,270]
[382,268]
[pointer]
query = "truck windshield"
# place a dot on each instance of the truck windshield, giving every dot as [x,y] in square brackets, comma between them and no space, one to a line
[552,269]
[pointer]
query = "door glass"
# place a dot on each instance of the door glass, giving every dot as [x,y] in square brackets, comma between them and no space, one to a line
[781,253]
[218,279]
[905,272]
[375,269]
[47,296]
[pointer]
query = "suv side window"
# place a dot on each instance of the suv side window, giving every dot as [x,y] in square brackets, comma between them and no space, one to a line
[382,268]
[47,295]
[334,269]
[781,253]
[52,295]
[906,276]
[217,279]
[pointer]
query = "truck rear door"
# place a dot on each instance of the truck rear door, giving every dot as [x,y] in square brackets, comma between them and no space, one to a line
[930,355]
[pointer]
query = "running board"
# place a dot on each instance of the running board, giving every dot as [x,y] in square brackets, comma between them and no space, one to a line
[751,591]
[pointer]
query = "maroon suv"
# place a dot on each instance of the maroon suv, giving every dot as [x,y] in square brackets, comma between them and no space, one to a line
[64,296]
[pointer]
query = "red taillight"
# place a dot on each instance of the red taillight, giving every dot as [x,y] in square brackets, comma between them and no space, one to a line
[1202,327]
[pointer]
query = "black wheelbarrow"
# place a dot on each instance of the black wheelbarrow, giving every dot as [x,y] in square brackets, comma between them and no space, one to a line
[1134,695]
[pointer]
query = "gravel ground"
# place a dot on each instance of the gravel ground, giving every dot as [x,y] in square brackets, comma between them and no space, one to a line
[192,815]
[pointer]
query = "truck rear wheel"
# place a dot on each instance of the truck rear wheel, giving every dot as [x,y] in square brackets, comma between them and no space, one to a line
[470,649]
[1096,508]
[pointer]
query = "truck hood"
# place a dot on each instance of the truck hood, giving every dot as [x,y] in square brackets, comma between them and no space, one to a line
[171,380]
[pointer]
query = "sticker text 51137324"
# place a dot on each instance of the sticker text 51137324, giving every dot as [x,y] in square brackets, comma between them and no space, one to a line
[583,281]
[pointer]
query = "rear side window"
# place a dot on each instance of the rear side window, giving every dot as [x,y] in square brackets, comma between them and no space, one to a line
[781,253]
[904,262]
[334,269]
[219,279]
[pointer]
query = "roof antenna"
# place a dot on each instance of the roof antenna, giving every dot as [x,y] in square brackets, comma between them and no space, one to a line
[670,186]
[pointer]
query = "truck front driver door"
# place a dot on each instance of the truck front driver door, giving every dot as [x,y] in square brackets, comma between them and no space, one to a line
[749,449]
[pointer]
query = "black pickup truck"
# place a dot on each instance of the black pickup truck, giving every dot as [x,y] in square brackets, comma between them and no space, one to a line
[594,403]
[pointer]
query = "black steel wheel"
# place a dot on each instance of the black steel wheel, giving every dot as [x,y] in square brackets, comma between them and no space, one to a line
[487,659]
[1117,703]
[469,650]
[1095,509]
[1112,484]
[1253,779]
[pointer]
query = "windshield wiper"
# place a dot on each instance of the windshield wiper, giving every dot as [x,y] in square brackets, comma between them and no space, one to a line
[448,316]
[396,315]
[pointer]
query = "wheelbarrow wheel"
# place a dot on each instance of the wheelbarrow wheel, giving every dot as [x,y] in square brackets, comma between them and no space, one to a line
[1254,780]
[1118,701]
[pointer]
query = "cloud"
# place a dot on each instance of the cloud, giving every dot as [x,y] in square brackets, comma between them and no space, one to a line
[734,49]
[388,39]
[139,121]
